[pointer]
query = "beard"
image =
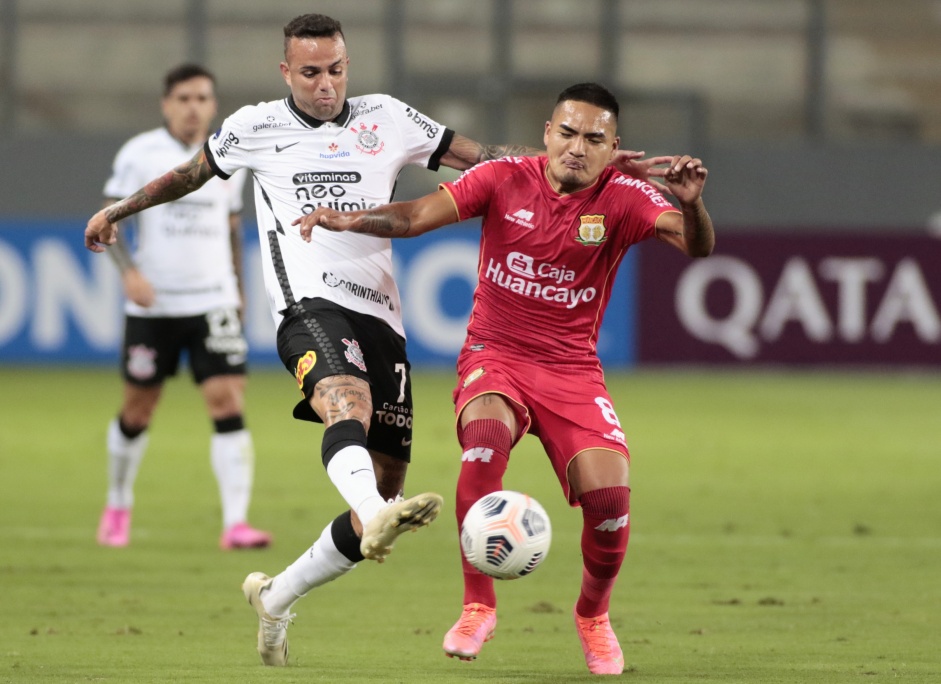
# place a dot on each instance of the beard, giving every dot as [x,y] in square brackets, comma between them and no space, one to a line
[570,180]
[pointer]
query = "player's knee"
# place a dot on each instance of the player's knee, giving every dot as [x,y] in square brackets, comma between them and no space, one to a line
[223,395]
[340,435]
[598,469]
[342,395]
[136,416]
[485,441]
[131,428]
[607,503]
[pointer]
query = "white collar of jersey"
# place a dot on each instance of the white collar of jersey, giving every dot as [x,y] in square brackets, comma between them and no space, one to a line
[340,119]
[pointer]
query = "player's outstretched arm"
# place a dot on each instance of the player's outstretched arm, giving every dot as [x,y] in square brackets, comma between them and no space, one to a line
[691,230]
[184,179]
[136,287]
[399,219]
[464,152]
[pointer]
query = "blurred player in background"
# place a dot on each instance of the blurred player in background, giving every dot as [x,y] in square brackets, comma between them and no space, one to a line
[182,286]
[554,232]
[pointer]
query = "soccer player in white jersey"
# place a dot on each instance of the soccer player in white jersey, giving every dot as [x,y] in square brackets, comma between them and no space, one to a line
[183,293]
[335,301]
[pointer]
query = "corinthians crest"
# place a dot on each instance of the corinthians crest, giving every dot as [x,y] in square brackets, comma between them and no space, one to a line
[366,139]
[141,361]
[592,230]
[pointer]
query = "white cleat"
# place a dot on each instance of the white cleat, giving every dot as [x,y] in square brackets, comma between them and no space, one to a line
[400,516]
[272,631]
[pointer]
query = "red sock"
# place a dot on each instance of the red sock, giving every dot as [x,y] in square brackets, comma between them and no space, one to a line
[605,531]
[486,445]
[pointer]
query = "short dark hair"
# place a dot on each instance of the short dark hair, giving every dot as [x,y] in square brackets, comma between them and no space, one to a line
[592,93]
[311,26]
[185,72]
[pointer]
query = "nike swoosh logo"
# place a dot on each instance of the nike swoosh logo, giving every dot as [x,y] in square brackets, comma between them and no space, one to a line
[359,471]
[282,149]
[406,442]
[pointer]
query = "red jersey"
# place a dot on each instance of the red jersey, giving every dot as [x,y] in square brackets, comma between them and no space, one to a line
[548,261]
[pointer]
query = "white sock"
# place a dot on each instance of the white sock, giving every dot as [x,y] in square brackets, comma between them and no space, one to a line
[351,472]
[233,462]
[322,563]
[124,457]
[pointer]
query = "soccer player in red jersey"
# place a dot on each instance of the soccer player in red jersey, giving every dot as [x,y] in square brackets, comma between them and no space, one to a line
[555,229]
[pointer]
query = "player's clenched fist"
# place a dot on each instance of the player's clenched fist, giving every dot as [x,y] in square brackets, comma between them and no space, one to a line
[100,232]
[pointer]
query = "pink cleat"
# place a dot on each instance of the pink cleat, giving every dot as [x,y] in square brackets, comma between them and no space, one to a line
[243,536]
[475,626]
[603,654]
[114,529]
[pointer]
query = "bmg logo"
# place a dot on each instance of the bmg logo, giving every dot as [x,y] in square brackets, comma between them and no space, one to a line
[231,140]
[431,130]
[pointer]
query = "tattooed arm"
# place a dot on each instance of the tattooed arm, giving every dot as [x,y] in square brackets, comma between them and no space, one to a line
[136,287]
[464,152]
[120,253]
[184,179]
[399,219]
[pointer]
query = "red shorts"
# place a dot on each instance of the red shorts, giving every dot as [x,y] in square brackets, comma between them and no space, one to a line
[569,410]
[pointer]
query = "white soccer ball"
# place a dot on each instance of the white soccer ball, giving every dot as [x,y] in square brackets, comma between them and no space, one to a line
[506,535]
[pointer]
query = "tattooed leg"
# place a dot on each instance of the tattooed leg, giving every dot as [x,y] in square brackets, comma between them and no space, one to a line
[342,397]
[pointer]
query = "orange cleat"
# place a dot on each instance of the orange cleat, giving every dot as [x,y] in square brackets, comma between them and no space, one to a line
[603,654]
[475,626]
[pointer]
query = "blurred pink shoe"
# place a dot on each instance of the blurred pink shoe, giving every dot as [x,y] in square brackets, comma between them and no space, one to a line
[242,536]
[475,626]
[602,652]
[114,529]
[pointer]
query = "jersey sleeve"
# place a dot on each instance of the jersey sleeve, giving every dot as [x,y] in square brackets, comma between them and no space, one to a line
[125,176]
[472,191]
[229,148]
[425,140]
[642,204]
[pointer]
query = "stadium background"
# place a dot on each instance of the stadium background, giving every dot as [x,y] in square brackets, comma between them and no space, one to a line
[785,518]
[820,122]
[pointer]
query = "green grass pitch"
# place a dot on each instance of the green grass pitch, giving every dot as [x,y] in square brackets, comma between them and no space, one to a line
[786,527]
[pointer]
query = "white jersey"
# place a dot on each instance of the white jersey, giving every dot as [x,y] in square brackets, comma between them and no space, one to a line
[184,247]
[350,163]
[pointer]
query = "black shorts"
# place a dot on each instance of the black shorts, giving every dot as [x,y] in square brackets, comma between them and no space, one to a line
[318,339]
[213,341]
